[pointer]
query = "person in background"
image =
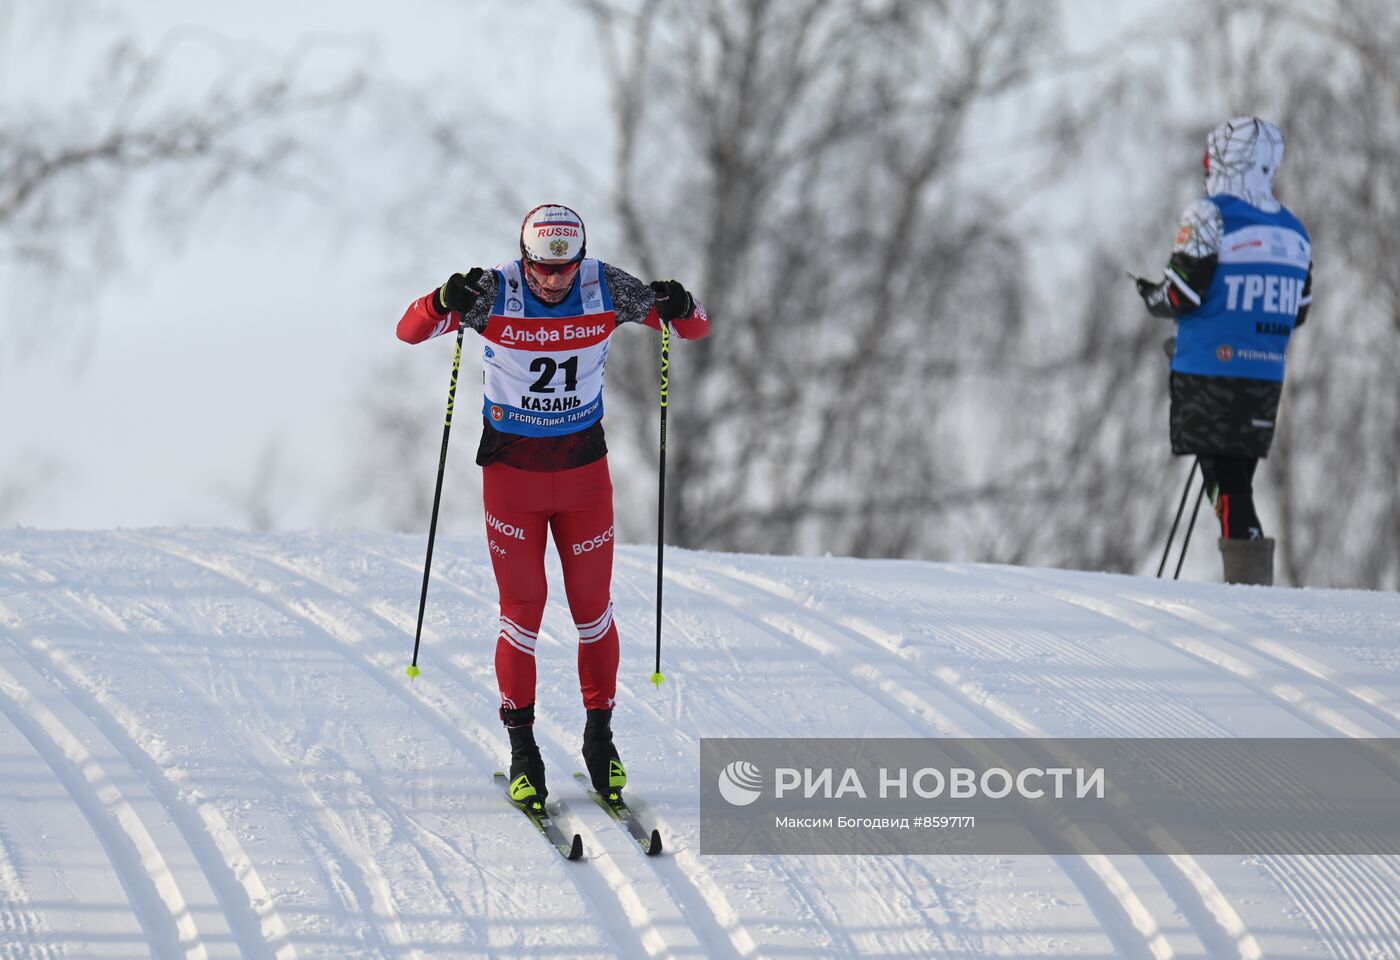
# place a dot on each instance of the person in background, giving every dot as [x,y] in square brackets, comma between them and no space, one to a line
[1238,284]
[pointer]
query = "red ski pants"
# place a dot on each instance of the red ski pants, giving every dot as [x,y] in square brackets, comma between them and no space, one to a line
[577,506]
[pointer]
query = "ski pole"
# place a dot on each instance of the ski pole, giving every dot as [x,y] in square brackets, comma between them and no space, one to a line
[413,670]
[656,677]
[1185,492]
[1186,540]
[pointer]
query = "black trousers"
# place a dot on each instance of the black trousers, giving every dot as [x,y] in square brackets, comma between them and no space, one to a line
[1230,483]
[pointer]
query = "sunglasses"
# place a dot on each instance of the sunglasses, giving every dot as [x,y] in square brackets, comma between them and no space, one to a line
[553,269]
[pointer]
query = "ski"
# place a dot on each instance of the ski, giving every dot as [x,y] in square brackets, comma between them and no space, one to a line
[617,809]
[539,816]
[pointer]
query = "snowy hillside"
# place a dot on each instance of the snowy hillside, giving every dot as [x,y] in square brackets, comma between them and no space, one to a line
[209,748]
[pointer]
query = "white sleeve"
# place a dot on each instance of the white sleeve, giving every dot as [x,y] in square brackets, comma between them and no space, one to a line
[1201,228]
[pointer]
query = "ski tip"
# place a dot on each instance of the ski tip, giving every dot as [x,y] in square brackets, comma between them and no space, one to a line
[576,848]
[654,847]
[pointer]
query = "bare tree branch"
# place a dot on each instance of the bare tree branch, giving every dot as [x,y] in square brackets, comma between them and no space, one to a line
[66,178]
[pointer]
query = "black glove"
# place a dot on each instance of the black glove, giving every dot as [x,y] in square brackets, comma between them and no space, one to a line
[1158,296]
[460,292]
[673,301]
[1146,288]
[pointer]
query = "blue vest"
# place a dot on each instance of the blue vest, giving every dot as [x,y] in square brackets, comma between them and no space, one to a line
[1247,315]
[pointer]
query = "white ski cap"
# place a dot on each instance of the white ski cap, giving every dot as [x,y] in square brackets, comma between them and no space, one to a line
[552,232]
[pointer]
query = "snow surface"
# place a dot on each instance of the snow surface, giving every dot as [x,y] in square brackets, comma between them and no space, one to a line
[208,747]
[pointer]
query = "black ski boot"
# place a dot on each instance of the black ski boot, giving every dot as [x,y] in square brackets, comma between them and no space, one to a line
[527,786]
[600,755]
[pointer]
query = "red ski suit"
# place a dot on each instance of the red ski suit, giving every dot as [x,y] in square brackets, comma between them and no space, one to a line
[544,459]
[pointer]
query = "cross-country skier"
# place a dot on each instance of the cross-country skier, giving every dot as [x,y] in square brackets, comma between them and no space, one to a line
[546,319]
[1238,283]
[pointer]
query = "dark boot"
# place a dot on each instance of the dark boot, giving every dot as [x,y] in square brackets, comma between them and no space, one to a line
[1248,561]
[600,755]
[527,784]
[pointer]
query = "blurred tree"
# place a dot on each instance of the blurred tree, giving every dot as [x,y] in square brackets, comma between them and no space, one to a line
[138,129]
[112,130]
[824,176]
[261,499]
[389,480]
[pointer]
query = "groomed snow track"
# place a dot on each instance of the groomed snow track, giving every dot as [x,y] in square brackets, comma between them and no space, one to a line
[209,749]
